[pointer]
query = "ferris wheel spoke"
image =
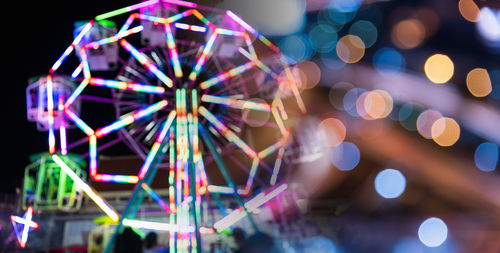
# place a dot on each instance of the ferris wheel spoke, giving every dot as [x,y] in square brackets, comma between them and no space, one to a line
[236,103]
[226,75]
[227,133]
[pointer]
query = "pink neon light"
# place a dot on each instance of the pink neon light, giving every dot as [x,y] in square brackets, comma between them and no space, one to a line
[70,49]
[116,178]
[181,3]
[50,108]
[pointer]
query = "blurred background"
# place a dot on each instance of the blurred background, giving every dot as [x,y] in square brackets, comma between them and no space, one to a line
[398,151]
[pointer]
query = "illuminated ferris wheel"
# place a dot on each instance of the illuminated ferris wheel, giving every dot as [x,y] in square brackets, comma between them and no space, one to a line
[182,86]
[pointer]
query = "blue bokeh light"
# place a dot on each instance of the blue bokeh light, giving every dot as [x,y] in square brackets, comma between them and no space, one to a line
[388,62]
[365,30]
[486,156]
[390,183]
[345,156]
[433,232]
[298,47]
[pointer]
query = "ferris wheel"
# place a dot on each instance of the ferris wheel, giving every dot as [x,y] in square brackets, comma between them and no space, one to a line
[187,88]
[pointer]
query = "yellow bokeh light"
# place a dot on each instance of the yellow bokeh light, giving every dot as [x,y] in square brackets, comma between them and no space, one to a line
[350,48]
[445,131]
[310,74]
[331,131]
[376,104]
[408,33]
[479,82]
[439,68]
[469,10]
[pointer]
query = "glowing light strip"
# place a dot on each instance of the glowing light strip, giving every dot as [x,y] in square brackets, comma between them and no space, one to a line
[277,166]
[241,22]
[277,117]
[173,51]
[251,177]
[127,120]
[79,122]
[114,38]
[27,222]
[146,62]
[50,119]
[76,93]
[230,136]
[153,19]
[87,189]
[156,197]
[197,14]
[127,86]
[194,28]
[226,75]
[128,22]
[236,103]
[70,49]
[77,70]
[85,62]
[251,205]
[269,150]
[203,57]
[222,31]
[255,60]
[157,144]
[24,221]
[179,16]
[115,178]
[181,3]
[125,9]
[93,155]
[295,89]
[157,226]
[220,189]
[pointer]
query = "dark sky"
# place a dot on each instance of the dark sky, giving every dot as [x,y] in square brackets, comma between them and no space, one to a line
[36,33]
[33,36]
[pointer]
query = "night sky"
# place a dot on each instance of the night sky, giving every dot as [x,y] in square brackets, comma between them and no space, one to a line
[36,33]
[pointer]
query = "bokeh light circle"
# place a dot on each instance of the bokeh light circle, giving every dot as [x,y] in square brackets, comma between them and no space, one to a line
[469,10]
[365,30]
[310,74]
[478,82]
[331,132]
[298,47]
[408,33]
[486,156]
[345,156]
[390,183]
[325,37]
[445,131]
[350,48]
[425,121]
[388,62]
[439,68]
[433,232]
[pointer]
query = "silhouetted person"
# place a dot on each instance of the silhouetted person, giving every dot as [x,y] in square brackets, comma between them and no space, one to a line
[128,242]
[258,243]
[239,239]
[150,242]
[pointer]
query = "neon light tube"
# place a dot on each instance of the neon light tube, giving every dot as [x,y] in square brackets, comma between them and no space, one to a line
[50,119]
[251,205]
[157,226]
[277,166]
[87,189]
[127,120]
[230,136]
[76,93]
[241,22]
[197,14]
[70,49]
[27,225]
[93,155]
[77,71]
[79,122]
[125,9]
[222,31]
[114,38]
[269,150]
[156,197]
[147,63]
[236,103]
[115,178]
[181,3]
[194,28]
[157,144]
[226,75]
[126,86]
[62,137]
[179,16]
[220,189]
[24,221]
[203,57]
[251,176]
[173,51]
